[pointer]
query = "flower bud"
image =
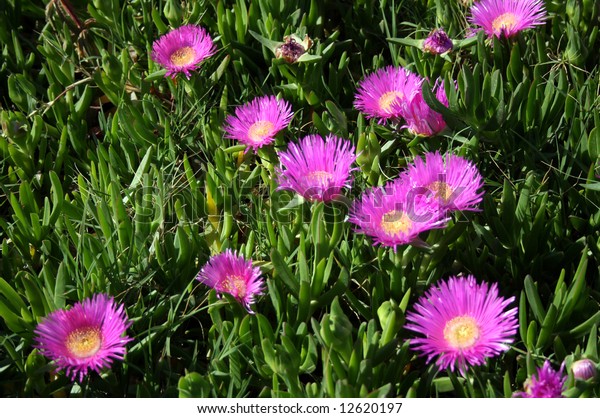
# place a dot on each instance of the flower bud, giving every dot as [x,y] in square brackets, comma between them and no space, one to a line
[173,12]
[437,42]
[584,369]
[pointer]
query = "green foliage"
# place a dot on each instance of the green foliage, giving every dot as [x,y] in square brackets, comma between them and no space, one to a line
[115,179]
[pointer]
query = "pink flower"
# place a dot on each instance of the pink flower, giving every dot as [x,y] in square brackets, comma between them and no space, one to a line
[451,182]
[545,383]
[256,123]
[462,323]
[316,169]
[420,118]
[183,49]
[381,94]
[87,336]
[507,17]
[394,215]
[231,273]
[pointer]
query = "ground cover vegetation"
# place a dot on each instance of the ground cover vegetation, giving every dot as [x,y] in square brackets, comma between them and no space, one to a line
[299,199]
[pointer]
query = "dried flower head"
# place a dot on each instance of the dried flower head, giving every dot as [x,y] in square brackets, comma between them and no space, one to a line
[293,48]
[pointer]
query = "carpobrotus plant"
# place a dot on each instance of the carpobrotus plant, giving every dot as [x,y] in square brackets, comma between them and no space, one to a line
[507,17]
[183,50]
[381,94]
[545,383]
[255,124]
[395,215]
[118,180]
[89,336]
[453,182]
[316,168]
[462,323]
[420,118]
[230,273]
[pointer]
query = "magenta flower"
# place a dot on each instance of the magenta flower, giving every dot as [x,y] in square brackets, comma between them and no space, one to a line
[507,17]
[231,273]
[451,183]
[381,94]
[462,323]
[394,215]
[183,49]
[420,118]
[87,336]
[316,169]
[545,383]
[256,123]
[437,42]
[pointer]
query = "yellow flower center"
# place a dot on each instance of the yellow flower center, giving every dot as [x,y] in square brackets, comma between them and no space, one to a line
[321,177]
[259,130]
[506,21]
[183,56]
[441,189]
[236,285]
[388,98]
[461,332]
[395,222]
[84,342]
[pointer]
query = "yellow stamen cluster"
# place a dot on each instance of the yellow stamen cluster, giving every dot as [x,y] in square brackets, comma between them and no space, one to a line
[235,285]
[84,342]
[506,21]
[388,98]
[461,332]
[259,130]
[183,56]
[395,222]
[442,190]
[322,177]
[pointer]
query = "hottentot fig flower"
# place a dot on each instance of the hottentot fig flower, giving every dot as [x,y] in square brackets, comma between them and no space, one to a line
[183,50]
[317,168]
[544,383]
[506,18]
[462,323]
[230,273]
[89,336]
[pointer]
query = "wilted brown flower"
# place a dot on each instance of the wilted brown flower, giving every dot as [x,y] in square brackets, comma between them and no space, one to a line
[293,48]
